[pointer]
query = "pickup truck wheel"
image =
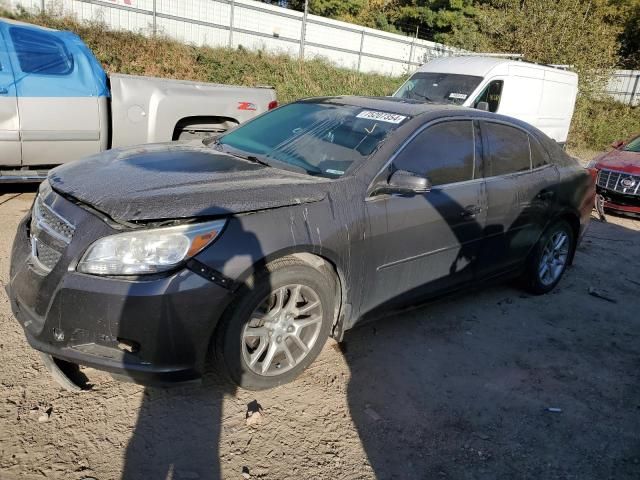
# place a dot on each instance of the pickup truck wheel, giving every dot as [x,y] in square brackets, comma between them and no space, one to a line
[550,258]
[200,128]
[277,326]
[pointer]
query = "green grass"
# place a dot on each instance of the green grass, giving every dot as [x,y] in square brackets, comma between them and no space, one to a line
[598,123]
[595,124]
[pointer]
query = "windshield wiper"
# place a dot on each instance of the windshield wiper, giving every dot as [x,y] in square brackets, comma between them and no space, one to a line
[252,158]
[423,97]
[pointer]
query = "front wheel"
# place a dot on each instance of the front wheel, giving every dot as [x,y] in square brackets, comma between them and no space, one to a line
[550,258]
[277,326]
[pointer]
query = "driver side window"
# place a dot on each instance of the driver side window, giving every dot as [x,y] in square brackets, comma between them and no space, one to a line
[491,94]
[445,153]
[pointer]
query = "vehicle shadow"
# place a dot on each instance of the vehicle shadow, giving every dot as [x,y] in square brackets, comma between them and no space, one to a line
[12,190]
[400,396]
[497,384]
[468,386]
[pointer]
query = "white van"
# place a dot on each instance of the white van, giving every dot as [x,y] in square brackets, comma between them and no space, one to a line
[541,95]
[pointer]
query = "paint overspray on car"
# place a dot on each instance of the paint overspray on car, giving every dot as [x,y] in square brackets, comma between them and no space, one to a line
[271,213]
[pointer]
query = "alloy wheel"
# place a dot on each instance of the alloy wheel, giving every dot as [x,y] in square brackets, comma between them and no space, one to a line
[282,330]
[554,258]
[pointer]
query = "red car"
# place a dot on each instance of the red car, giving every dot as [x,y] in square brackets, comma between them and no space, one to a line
[618,177]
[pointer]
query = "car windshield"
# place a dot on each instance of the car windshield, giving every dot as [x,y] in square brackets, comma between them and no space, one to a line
[317,138]
[439,87]
[633,146]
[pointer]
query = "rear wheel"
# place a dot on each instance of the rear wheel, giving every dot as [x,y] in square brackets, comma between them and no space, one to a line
[277,326]
[550,258]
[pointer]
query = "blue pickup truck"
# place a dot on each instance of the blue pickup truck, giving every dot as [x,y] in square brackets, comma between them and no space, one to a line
[57,104]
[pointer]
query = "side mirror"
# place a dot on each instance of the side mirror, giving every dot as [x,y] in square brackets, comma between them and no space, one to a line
[484,106]
[402,181]
[617,144]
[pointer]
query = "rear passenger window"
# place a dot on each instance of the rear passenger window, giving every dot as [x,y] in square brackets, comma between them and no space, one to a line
[539,156]
[508,149]
[40,52]
[445,153]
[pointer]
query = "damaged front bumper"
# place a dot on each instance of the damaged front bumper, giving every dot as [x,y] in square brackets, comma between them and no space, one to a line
[620,203]
[153,331]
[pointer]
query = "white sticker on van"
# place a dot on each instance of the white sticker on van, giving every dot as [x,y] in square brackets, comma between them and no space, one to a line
[459,96]
[381,116]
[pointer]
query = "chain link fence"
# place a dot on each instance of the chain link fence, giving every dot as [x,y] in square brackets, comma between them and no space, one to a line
[256,26]
[261,26]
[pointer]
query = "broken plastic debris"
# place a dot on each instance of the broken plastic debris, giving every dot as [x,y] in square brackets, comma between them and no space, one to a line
[372,414]
[598,294]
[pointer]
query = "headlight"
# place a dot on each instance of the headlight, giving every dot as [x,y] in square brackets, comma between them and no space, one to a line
[148,251]
[591,164]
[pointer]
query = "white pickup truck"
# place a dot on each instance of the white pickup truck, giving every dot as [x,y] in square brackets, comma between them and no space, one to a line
[57,104]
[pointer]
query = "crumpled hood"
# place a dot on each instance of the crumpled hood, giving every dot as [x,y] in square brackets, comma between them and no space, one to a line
[180,180]
[620,160]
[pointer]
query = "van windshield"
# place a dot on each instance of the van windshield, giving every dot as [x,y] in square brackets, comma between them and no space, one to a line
[439,87]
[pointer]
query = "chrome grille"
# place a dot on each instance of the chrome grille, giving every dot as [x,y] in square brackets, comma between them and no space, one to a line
[47,249]
[619,182]
[47,256]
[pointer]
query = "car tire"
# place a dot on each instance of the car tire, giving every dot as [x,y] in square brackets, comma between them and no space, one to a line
[266,303]
[550,258]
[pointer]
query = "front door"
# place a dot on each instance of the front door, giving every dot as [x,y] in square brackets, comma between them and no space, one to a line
[10,153]
[58,96]
[427,243]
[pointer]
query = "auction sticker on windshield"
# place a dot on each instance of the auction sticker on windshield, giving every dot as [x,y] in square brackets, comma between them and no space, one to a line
[381,116]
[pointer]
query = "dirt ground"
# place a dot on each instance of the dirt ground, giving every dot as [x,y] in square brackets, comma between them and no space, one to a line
[460,389]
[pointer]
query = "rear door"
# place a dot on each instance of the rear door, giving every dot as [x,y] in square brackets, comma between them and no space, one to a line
[520,183]
[428,243]
[57,99]
[10,153]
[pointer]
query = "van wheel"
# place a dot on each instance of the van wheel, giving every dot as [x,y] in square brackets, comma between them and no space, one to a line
[550,258]
[277,325]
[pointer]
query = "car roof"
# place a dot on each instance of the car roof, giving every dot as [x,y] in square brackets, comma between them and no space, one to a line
[401,106]
[422,111]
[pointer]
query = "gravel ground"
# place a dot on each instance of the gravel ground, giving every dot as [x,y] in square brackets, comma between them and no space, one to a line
[459,389]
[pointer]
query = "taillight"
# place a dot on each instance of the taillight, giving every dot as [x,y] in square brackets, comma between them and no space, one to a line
[273,104]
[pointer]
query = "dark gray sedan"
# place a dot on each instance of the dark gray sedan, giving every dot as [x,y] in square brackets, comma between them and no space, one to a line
[292,227]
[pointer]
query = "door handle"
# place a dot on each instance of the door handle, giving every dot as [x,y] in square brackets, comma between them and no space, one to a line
[4,91]
[545,195]
[470,211]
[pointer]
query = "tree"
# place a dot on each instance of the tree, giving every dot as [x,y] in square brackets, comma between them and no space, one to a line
[588,34]
[330,8]
[433,19]
[629,16]
[571,32]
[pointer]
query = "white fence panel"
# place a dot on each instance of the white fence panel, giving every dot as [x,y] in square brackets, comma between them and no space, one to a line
[624,86]
[252,25]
